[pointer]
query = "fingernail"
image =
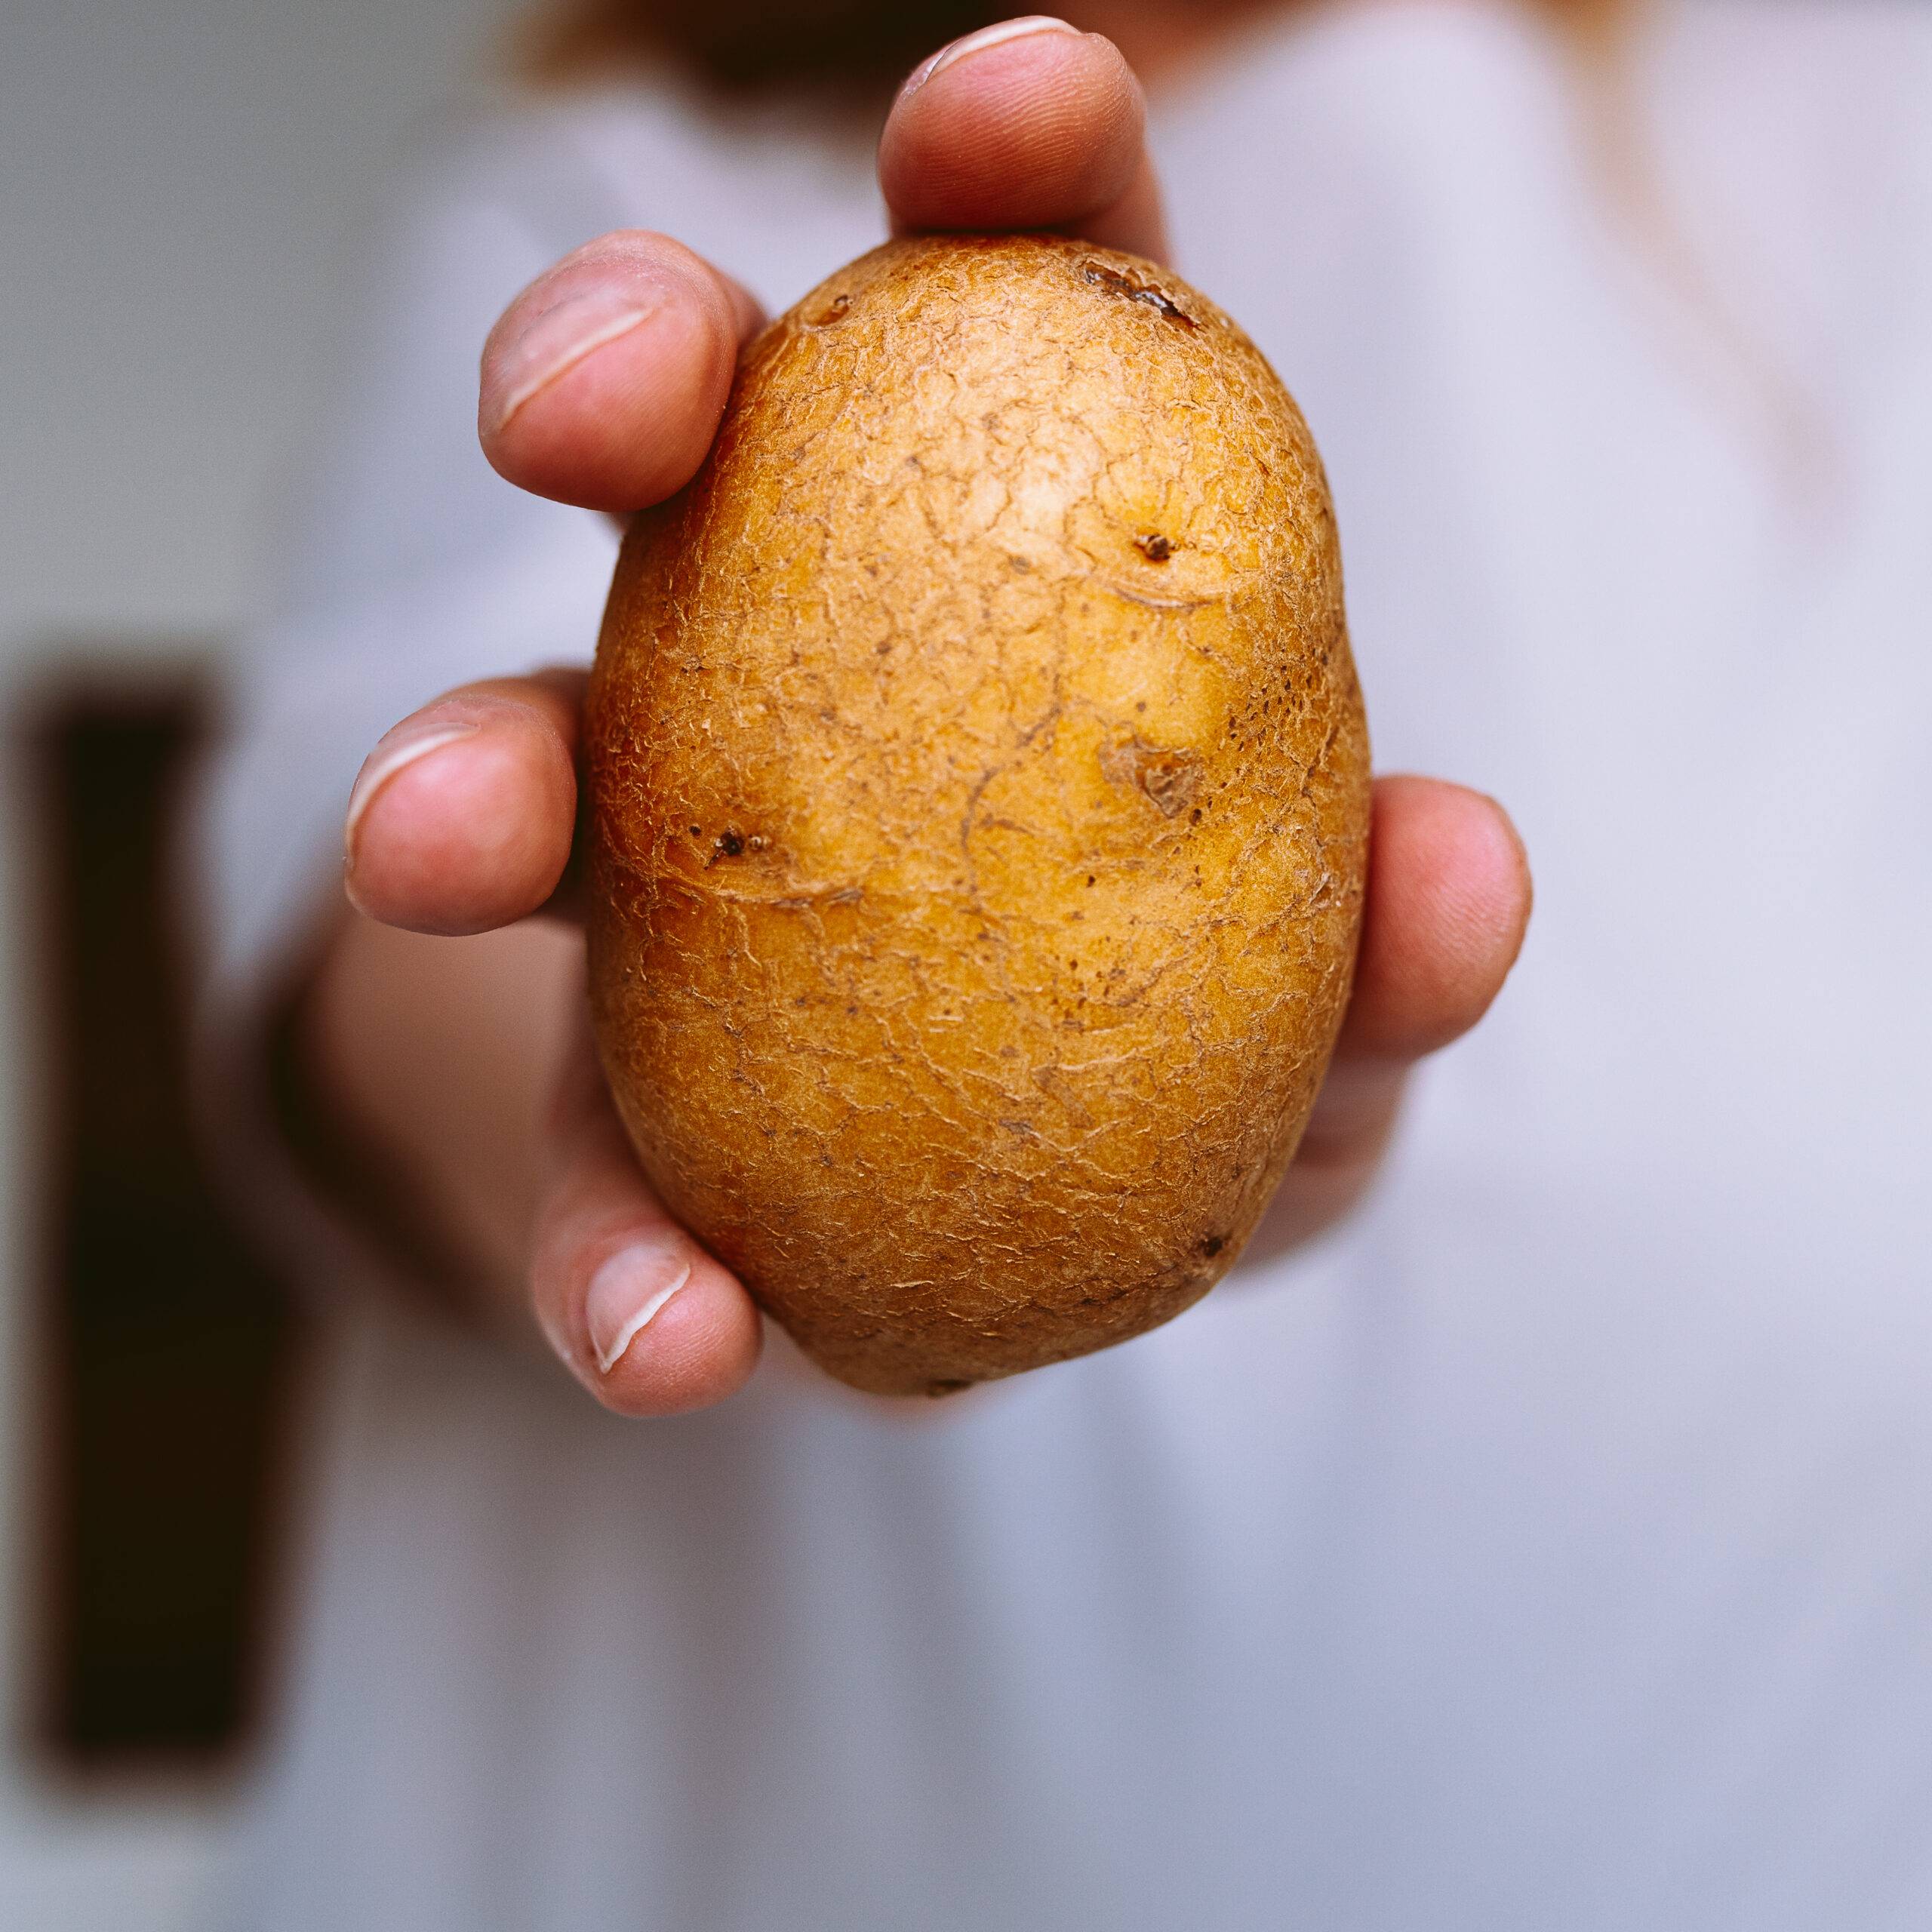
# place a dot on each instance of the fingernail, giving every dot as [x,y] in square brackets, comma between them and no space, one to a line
[402,747]
[627,1293]
[978,43]
[557,339]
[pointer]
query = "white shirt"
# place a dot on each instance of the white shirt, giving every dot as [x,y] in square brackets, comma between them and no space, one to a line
[1553,1549]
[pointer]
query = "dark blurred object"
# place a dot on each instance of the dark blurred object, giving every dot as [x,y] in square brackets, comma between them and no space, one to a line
[848,47]
[167,1350]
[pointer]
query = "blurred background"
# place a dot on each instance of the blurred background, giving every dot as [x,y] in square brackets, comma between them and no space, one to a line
[181,187]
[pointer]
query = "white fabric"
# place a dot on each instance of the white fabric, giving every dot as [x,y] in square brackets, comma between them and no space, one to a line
[1553,1550]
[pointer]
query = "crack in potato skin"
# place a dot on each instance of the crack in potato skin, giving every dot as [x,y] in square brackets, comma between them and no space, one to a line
[977,885]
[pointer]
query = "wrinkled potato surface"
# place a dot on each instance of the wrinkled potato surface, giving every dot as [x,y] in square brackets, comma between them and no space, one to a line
[979,806]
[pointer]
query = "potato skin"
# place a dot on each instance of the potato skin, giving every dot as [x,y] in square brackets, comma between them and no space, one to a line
[979,790]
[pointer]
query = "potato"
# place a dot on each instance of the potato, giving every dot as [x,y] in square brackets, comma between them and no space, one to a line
[979,809]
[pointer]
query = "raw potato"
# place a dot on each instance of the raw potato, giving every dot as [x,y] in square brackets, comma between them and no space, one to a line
[979,807]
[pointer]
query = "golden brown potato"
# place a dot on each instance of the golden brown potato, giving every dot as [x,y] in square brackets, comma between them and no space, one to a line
[980,804]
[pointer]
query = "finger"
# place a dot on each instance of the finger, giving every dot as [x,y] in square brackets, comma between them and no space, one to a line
[1031,124]
[1448,903]
[644,1318]
[462,818]
[603,383]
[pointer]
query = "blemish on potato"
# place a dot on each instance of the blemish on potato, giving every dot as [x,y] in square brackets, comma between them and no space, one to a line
[1167,780]
[1133,288]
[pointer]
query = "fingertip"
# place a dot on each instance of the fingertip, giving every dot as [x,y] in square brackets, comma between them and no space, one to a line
[641,1315]
[1448,907]
[1480,864]
[1000,33]
[1498,893]
[1015,130]
[462,820]
[687,1337]
[648,1320]
[603,383]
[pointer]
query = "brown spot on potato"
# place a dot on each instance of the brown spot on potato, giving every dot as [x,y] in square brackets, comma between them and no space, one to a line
[1167,780]
[1134,288]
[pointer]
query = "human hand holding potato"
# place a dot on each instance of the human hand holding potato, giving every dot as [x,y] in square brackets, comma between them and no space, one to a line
[603,386]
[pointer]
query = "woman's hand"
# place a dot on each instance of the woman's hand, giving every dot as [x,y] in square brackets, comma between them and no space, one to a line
[602,386]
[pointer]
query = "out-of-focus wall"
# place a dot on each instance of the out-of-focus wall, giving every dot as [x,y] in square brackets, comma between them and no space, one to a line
[182,182]
[177,181]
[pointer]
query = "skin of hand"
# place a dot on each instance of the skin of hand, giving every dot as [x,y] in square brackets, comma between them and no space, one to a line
[602,386]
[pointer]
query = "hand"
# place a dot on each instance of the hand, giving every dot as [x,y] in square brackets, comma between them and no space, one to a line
[603,386]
